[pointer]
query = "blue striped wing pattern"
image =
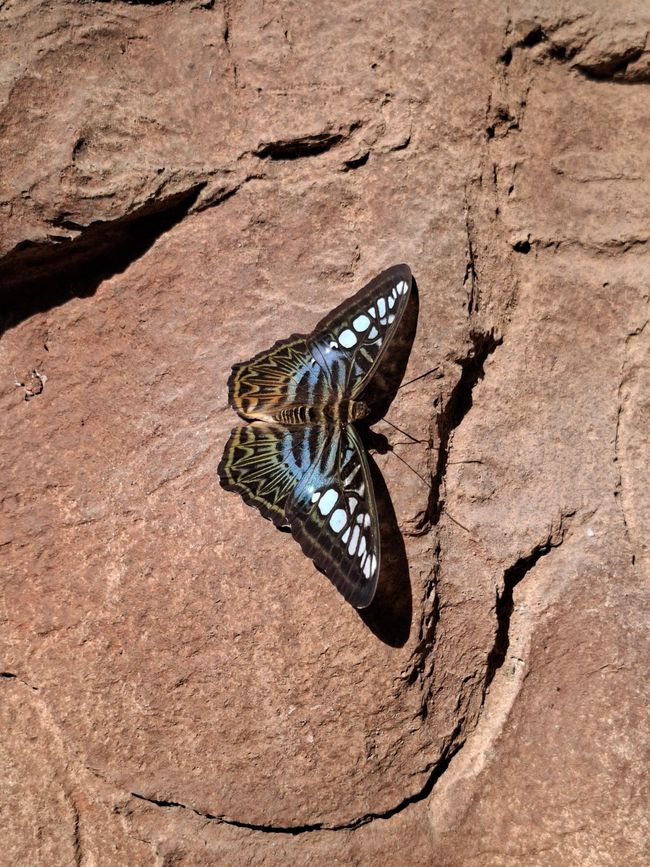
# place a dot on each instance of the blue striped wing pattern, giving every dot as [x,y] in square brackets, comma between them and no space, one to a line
[300,460]
[265,462]
[333,516]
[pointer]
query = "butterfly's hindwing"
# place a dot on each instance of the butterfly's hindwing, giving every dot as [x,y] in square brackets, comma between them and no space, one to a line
[264,463]
[333,516]
[285,375]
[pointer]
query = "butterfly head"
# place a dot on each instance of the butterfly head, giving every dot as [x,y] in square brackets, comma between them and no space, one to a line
[357,410]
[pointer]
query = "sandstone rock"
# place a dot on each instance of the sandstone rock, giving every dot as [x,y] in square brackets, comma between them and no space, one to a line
[183,184]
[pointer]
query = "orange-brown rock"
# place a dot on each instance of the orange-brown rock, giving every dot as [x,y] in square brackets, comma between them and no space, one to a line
[182,184]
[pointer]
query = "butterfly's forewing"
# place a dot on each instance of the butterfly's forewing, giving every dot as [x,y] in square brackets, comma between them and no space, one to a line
[265,462]
[279,377]
[332,514]
[350,341]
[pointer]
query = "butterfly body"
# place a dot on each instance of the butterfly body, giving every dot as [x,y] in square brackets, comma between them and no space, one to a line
[299,458]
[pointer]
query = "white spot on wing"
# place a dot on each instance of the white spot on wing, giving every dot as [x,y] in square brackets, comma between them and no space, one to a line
[366,520]
[352,547]
[346,536]
[362,547]
[391,318]
[361,323]
[402,287]
[347,338]
[366,568]
[373,333]
[327,501]
[381,306]
[391,301]
[315,497]
[352,503]
[373,564]
[372,312]
[338,519]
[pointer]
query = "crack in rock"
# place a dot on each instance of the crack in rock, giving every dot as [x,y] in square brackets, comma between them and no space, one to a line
[303,146]
[504,606]
[456,408]
[615,67]
[471,275]
[294,830]
[612,65]
[8,675]
[36,277]
[619,492]
[610,247]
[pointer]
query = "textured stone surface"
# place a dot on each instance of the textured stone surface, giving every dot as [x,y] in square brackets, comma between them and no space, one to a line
[184,183]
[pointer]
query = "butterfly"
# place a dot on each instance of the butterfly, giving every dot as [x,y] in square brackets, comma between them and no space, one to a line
[299,458]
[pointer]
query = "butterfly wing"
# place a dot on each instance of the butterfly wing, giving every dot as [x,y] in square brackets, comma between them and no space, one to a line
[333,515]
[265,462]
[315,479]
[349,342]
[337,359]
[279,377]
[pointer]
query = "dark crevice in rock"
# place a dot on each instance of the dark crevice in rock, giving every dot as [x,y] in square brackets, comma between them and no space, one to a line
[613,246]
[227,36]
[221,194]
[76,833]
[505,600]
[357,162]
[303,146]
[271,829]
[533,37]
[142,2]
[614,68]
[294,149]
[36,277]
[471,276]
[605,68]
[294,830]
[8,675]
[455,410]
[522,246]
[506,57]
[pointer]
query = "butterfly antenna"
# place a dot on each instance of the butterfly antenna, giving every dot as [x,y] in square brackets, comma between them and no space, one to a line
[428,484]
[403,432]
[421,376]
[397,455]
[462,526]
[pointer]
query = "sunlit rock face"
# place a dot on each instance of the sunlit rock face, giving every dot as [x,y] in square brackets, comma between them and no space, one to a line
[183,184]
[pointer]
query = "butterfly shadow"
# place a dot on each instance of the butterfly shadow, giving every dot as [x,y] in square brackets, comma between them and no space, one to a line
[390,614]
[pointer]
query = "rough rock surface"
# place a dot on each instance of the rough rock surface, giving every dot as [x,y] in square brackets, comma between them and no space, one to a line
[185,182]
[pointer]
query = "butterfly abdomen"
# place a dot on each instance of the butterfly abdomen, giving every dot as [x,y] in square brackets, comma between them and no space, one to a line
[340,412]
[298,414]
